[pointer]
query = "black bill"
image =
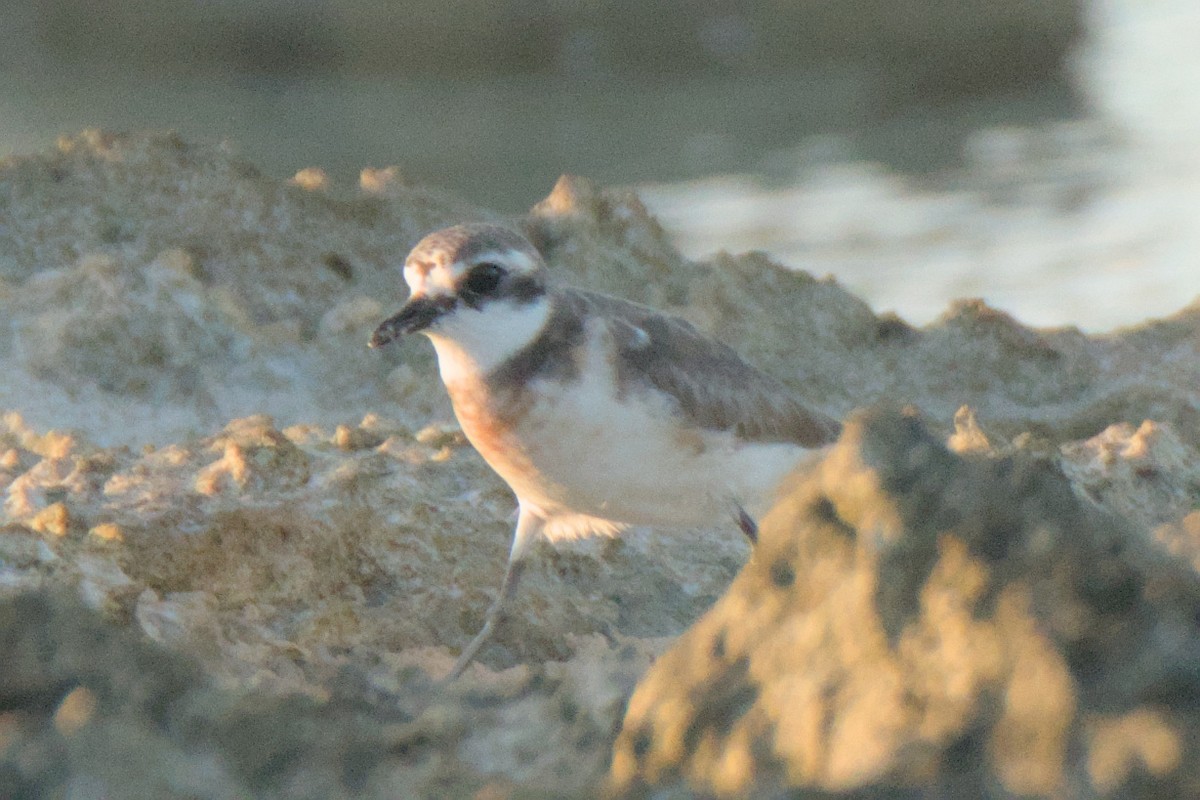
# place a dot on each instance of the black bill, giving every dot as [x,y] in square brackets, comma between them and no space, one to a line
[417,315]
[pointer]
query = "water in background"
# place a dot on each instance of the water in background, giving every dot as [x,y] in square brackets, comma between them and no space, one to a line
[1057,226]
[1093,222]
[1057,211]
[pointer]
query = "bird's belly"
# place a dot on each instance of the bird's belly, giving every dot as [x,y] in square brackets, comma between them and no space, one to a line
[575,450]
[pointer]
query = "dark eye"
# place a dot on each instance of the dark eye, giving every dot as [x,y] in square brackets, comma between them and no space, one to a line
[482,280]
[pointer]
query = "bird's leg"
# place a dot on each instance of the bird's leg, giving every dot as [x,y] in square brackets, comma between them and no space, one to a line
[529,526]
[508,589]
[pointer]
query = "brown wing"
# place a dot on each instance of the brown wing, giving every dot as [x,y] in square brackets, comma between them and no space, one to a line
[712,386]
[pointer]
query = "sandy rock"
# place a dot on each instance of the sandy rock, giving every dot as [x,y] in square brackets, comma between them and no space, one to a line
[345,575]
[224,278]
[103,585]
[1144,473]
[311,178]
[20,547]
[254,456]
[911,619]
[88,703]
[1182,538]
[198,290]
[279,594]
[54,519]
[241,294]
[347,438]
[369,537]
[968,436]
[107,531]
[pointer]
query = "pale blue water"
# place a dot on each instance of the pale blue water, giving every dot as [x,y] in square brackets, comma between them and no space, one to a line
[1093,222]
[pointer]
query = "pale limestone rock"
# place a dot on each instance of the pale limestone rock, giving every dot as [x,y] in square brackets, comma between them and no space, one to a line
[311,178]
[1143,472]
[915,620]
[161,292]
[103,585]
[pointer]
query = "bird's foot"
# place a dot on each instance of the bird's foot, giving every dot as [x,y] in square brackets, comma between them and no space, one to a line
[747,524]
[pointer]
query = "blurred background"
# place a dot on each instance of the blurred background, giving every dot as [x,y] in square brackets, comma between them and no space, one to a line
[1041,154]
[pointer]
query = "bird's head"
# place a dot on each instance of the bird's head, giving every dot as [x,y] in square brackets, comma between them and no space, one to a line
[469,283]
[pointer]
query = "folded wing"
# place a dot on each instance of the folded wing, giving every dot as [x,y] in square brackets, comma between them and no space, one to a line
[711,386]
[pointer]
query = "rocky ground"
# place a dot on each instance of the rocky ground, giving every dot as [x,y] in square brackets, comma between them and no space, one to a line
[915,619]
[239,550]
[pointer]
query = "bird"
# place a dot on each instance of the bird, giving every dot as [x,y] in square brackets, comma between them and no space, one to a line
[599,413]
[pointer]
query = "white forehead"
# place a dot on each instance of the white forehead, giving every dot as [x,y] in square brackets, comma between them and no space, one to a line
[439,261]
[440,279]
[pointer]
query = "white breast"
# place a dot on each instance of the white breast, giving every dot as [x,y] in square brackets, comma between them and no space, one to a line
[579,449]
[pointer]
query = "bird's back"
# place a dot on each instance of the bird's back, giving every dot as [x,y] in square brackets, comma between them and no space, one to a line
[713,387]
[621,413]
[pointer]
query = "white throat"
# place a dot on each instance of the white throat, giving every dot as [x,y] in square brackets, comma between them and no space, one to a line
[471,343]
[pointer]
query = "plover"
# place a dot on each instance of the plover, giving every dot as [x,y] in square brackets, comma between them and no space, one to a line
[598,412]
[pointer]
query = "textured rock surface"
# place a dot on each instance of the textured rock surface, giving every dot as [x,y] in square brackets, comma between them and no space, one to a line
[90,709]
[912,618]
[207,481]
[241,295]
